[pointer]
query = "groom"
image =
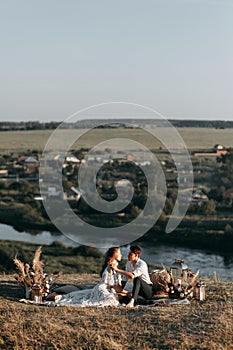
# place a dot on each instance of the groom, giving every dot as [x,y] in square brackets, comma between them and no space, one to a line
[137,270]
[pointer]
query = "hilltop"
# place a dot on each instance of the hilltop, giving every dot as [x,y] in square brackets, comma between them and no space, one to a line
[200,325]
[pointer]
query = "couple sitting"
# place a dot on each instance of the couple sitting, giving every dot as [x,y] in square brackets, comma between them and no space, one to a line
[137,271]
[110,290]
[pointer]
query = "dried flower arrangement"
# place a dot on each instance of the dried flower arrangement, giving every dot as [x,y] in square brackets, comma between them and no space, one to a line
[36,283]
[165,284]
[161,280]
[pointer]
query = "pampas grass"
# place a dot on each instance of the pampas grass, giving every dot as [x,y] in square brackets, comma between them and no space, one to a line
[30,277]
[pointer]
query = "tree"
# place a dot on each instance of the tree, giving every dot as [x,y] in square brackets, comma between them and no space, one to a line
[223,175]
[228,231]
[222,178]
[209,207]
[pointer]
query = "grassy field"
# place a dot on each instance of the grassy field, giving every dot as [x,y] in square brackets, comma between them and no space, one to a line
[200,325]
[206,325]
[194,138]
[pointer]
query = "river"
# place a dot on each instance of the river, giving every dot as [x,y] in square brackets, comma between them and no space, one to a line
[9,233]
[209,263]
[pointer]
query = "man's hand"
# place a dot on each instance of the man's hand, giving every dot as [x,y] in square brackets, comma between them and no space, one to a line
[117,288]
[114,265]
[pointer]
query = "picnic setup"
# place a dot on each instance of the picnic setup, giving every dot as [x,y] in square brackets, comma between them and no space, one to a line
[177,284]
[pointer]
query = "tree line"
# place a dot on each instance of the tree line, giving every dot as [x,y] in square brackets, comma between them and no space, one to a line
[38,125]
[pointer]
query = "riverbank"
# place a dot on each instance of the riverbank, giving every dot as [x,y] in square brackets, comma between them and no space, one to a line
[202,232]
[56,257]
[213,233]
[200,325]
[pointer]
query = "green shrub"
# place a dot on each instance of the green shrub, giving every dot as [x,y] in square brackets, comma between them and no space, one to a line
[87,251]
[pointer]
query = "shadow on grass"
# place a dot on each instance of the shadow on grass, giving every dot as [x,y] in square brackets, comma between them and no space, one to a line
[11,290]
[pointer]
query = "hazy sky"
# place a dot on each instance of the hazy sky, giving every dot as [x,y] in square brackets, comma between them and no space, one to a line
[175,56]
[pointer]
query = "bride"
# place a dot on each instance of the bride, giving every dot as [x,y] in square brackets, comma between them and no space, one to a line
[105,292]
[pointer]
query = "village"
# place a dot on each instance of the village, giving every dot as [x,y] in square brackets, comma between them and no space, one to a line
[113,173]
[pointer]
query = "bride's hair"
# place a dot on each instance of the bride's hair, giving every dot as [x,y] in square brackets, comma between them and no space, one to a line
[109,257]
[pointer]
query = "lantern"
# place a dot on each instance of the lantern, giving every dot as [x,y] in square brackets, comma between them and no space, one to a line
[36,293]
[200,291]
[179,272]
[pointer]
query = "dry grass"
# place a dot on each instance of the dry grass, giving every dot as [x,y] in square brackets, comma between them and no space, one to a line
[194,138]
[206,325]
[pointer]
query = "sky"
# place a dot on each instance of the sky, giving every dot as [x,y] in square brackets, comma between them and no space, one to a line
[57,56]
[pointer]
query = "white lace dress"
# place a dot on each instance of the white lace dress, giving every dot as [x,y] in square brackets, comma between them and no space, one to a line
[101,295]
